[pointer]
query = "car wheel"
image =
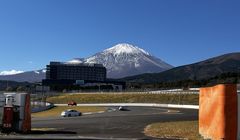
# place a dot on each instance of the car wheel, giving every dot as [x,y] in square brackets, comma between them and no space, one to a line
[79,114]
[69,115]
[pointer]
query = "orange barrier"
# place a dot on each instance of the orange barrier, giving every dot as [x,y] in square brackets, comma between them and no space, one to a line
[26,126]
[218,112]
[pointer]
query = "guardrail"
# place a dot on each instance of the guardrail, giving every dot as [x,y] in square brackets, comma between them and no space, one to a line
[145,92]
[139,104]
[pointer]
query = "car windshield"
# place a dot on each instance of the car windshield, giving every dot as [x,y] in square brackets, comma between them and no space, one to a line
[119,69]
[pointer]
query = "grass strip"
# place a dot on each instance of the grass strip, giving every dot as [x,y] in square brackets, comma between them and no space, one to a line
[174,130]
[191,99]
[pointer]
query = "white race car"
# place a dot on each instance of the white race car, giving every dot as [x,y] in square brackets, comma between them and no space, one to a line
[70,113]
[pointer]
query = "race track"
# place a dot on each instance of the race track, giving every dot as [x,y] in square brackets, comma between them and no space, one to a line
[112,124]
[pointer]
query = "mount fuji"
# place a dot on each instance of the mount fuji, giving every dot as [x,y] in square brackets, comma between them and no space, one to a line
[124,60]
[120,61]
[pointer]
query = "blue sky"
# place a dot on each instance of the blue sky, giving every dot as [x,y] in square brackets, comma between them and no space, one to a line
[34,32]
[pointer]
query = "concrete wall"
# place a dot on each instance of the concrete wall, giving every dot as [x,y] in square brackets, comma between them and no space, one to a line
[218,112]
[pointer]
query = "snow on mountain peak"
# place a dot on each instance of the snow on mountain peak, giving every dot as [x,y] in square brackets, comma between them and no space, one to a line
[126,60]
[40,71]
[125,48]
[37,72]
[10,72]
[44,71]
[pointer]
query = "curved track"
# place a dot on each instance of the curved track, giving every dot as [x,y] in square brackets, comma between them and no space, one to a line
[113,124]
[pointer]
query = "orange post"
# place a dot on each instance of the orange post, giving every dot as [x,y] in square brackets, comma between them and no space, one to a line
[26,127]
[218,112]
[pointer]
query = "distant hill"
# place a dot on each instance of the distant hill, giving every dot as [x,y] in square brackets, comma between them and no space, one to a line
[30,76]
[228,63]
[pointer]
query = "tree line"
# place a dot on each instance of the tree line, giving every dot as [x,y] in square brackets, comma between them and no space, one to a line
[224,78]
[229,77]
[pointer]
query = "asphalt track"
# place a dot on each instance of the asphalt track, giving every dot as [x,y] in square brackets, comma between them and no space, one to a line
[108,125]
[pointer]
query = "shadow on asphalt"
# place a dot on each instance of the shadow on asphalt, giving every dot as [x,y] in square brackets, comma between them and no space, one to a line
[125,110]
[39,132]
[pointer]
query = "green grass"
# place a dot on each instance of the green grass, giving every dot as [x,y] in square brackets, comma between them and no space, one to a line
[174,130]
[56,111]
[191,99]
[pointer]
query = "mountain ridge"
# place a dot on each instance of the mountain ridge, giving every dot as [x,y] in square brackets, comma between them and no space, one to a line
[197,71]
[29,76]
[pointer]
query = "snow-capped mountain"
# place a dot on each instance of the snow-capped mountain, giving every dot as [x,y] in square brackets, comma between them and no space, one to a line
[121,60]
[30,76]
[126,60]
[10,72]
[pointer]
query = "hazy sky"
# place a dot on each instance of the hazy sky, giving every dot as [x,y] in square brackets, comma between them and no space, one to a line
[34,32]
